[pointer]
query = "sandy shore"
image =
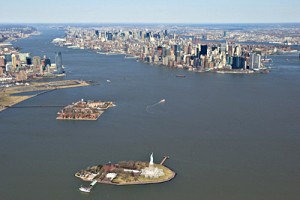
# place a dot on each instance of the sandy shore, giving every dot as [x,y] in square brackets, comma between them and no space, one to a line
[6,94]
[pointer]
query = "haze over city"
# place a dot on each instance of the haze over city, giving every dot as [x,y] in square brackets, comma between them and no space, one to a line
[155,11]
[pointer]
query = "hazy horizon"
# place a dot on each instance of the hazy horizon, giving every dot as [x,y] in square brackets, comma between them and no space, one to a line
[178,12]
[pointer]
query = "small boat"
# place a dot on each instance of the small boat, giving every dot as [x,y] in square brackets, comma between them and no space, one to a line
[180,75]
[85,189]
[266,60]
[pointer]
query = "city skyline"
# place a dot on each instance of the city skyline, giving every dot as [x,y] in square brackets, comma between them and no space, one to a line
[134,11]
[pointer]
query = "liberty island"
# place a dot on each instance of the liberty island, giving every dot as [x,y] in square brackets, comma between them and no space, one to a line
[126,173]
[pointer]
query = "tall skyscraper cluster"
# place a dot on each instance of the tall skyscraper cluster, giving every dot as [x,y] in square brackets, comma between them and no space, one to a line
[16,64]
[170,48]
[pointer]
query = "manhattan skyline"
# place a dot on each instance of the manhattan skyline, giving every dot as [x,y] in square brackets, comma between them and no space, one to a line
[155,11]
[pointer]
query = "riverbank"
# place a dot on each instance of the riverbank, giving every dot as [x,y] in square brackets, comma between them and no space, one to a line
[9,97]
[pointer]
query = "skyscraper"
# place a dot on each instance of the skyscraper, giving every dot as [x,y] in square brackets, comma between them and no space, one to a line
[237,62]
[252,60]
[203,50]
[14,59]
[109,36]
[28,61]
[97,33]
[258,61]
[58,62]
[7,57]
[36,63]
[2,61]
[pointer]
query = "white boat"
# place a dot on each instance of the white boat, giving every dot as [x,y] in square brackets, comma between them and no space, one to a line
[85,189]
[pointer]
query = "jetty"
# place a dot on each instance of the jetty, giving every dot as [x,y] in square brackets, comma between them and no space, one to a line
[164,160]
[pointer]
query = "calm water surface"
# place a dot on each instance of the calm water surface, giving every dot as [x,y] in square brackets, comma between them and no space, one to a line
[230,137]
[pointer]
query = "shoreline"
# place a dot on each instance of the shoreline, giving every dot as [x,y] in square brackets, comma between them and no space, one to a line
[8,100]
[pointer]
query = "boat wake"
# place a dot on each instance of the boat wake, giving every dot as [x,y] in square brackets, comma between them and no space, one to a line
[149,108]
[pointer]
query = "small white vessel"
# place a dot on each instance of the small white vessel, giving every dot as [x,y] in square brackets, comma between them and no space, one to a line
[162,101]
[85,189]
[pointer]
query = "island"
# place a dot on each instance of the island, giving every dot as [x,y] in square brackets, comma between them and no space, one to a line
[84,110]
[126,173]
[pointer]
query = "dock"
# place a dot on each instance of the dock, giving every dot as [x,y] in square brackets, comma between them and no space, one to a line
[88,189]
[164,160]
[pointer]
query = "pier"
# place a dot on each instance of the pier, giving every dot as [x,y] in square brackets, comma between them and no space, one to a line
[164,160]
[88,189]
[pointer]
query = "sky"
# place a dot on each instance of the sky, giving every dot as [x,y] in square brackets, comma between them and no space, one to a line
[150,11]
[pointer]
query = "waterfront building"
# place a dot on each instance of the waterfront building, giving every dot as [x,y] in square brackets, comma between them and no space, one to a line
[252,60]
[47,62]
[203,50]
[8,57]
[109,36]
[23,56]
[237,62]
[58,62]
[258,58]
[28,61]
[97,33]
[2,61]
[14,61]
[8,66]
[255,61]
[36,64]
[21,75]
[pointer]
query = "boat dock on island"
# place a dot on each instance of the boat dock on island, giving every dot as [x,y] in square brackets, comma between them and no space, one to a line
[88,189]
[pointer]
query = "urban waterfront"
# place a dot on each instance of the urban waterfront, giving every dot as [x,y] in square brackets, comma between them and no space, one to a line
[228,136]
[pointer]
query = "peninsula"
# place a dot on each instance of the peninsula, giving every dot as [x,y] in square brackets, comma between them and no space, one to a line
[126,173]
[10,96]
